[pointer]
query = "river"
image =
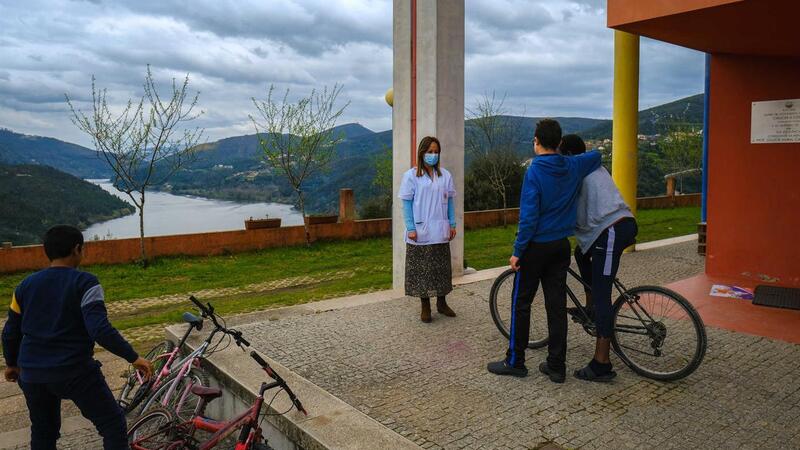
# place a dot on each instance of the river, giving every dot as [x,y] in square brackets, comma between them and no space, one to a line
[166,214]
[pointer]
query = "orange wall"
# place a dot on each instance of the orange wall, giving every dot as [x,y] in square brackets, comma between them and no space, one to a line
[753,190]
[117,251]
[622,12]
[126,250]
[667,201]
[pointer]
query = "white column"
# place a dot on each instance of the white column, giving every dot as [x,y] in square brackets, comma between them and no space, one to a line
[439,44]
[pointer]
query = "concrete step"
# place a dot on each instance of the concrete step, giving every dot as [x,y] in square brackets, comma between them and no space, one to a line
[76,433]
[15,423]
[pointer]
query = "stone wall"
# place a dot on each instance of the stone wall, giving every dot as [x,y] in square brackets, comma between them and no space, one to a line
[669,201]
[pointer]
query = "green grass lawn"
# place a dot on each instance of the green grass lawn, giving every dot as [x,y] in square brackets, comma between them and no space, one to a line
[370,259]
[491,247]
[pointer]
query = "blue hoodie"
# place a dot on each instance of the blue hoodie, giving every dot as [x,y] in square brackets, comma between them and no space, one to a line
[547,208]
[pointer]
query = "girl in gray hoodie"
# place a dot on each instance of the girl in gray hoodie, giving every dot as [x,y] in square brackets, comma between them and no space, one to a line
[604,228]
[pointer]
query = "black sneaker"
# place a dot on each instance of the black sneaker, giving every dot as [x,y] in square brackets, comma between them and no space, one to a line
[502,368]
[555,376]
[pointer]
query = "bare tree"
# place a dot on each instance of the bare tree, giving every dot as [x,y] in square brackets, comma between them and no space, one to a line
[490,139]
[297,138]
[146,142]
[383,176]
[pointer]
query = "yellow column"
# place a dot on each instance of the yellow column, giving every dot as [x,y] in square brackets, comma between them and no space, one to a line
[624,157]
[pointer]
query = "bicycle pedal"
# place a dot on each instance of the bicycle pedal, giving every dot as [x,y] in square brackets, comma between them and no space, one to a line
[579,320]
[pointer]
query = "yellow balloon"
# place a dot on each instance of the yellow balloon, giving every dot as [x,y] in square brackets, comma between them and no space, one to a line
[390,96]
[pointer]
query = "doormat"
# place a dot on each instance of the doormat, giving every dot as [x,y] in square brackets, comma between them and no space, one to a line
[778,297]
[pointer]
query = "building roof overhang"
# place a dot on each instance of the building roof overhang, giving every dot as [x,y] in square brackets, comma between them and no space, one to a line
[748,27]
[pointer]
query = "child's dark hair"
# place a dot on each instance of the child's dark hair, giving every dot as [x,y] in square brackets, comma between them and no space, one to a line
[572,144]
[548,132]
[60,240]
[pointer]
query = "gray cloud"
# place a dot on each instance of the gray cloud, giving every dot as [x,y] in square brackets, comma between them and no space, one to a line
[552,57]
[308,26]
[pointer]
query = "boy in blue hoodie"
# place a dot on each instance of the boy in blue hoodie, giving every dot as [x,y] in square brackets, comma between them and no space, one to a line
[55,317]
[542,252]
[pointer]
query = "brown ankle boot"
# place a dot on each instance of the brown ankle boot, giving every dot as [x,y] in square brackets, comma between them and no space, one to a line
[441,306]
[425,316]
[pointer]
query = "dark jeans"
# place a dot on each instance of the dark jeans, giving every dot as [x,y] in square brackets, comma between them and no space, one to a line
[546,262]
[599,265]
[91,395]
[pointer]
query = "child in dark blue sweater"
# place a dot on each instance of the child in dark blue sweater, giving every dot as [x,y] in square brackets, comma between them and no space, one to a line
[55,318]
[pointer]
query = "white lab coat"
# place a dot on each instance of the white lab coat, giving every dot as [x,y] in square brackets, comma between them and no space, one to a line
[429,197]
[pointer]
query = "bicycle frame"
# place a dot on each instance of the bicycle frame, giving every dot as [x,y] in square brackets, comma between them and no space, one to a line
[194,357]
[147,387]
[181,434]
[589,323]
[186,364]
[247,421]
[167,368]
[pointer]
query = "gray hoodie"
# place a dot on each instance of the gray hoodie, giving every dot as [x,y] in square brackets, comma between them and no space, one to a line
[599,206]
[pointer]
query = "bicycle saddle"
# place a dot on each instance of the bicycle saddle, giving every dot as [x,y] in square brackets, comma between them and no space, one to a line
[207,393]
[193,320]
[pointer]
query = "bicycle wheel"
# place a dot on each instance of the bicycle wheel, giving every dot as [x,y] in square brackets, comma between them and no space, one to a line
[155,430]
[182,403]
[658,333]
[500,302]
[131,394]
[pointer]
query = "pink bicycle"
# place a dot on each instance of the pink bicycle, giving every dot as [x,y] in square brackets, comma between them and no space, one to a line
[174,390]
[158,429]
[136,389]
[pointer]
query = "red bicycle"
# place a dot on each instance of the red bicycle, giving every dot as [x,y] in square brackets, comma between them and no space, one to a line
[158,429]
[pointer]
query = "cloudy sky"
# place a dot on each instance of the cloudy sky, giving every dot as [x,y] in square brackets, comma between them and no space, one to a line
[551,57]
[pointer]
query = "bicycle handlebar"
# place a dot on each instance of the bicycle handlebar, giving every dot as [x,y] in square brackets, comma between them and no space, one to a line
[274,375]
[202,307]
[237,335]
[208,311]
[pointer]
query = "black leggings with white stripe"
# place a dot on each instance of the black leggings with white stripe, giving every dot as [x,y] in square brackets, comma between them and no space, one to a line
[598,267]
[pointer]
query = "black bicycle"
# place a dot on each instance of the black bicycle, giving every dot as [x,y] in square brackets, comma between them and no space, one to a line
[656,332]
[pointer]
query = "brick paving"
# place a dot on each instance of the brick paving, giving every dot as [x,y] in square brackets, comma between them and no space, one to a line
[12,402]
[429,383]
[152,333]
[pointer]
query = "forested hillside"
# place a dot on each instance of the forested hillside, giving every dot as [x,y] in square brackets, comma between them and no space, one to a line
[16,148]
[33,198]
[233,168]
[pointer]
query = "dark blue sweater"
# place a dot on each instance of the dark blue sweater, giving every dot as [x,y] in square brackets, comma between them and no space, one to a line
[55,317]
[547,205]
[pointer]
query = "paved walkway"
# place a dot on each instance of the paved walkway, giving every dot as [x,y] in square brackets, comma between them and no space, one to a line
[149,334]
[429,383]
[77,433]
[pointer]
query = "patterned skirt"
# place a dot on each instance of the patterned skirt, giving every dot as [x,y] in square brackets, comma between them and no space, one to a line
[428,272]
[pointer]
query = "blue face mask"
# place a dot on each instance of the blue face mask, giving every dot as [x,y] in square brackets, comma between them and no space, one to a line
[431,158]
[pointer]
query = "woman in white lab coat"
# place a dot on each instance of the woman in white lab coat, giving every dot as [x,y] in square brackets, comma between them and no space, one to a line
[427,193]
